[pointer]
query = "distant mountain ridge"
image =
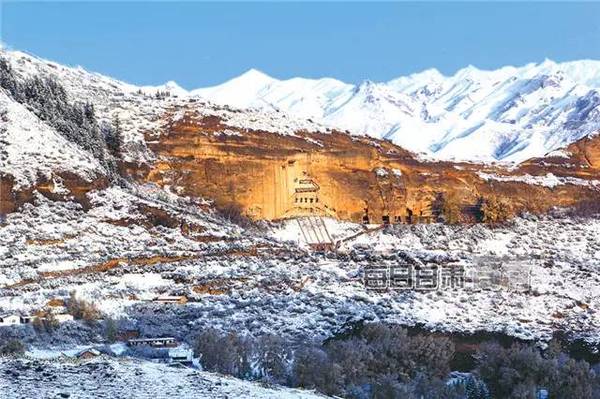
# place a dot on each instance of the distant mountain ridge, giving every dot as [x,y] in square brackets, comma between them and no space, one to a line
[508,114]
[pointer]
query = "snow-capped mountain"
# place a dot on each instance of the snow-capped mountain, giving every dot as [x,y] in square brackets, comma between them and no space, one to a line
[511,114]
[508,114]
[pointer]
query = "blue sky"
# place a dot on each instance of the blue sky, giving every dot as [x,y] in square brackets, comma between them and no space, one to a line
[200,44]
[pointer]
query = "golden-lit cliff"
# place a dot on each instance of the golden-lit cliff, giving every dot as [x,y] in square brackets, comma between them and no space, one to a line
[272,175]
[267,175]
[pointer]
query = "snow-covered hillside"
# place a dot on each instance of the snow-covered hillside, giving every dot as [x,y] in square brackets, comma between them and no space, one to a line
[129,378]
[133,246]
[507,114]
[33,149]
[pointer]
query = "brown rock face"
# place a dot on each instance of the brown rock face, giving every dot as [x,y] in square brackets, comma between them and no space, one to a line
[272,176]
[11,199]
[588,151]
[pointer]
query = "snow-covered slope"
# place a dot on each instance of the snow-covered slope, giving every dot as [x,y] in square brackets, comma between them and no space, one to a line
[127,378]
[507,114]
[31,149]
[35,148]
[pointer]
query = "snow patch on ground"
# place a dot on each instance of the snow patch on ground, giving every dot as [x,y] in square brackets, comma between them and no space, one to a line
[130,378]
[547,180]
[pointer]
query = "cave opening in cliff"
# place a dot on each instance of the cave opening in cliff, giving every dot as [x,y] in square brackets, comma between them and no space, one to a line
[365,218]
[409,216]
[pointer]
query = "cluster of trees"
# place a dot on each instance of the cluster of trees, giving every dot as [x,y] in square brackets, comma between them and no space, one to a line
[48,100]
[494,209]
[491,209]
[522,371]
[585,208]
[385,361]
[162,94]
[379,361]
[267,357]
[447,208]
[80,309]
[159,95]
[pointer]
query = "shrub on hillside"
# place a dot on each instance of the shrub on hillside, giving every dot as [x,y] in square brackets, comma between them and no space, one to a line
[46,323]
[81,309]
[234,214]
[12,347]
[447,208]
[494,210]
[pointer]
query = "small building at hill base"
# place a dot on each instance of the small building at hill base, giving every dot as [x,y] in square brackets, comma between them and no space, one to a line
[163,342]
[89,353]
[178,355]
[10,319]
[177,299]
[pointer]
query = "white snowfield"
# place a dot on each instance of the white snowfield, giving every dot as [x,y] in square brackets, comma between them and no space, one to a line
[127,378]
[509,114]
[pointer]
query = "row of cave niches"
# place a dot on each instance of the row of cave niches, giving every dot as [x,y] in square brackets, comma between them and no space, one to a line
[409,218]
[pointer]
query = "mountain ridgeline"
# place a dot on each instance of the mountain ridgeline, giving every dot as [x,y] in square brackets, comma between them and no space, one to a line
[508,114]
[270,164]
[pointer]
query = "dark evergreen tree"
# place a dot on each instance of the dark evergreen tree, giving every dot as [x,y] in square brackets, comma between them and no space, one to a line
[48,100]
[112,136]
[476,389]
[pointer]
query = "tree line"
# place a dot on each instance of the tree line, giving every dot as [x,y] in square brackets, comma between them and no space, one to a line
[77,122]
[380,360]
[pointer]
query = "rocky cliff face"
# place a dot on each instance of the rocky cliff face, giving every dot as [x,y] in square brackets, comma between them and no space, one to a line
[59,187]
[273,176]
[268,164]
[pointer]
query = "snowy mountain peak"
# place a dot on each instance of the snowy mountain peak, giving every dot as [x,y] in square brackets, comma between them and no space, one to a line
[253,74]
[252,79]
[242,91]
[508,114]
[425,77]
[171,84]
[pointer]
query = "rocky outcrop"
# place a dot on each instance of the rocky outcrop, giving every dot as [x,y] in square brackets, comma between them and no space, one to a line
[273,176]
[60,187]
